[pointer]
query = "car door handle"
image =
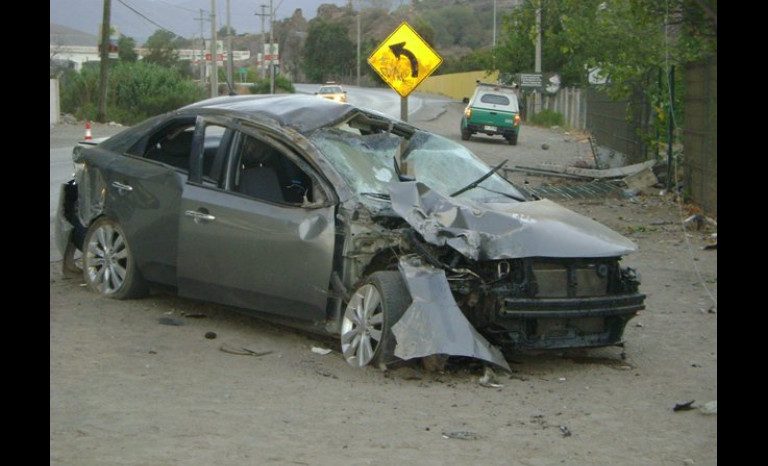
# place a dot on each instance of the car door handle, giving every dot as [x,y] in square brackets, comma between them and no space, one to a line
[122,187]
[200,216]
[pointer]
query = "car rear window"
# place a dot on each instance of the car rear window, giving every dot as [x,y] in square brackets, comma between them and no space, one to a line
[494,99]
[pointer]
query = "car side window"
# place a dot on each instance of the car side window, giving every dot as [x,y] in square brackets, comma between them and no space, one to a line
[263,171]
[214,152]
[170,145]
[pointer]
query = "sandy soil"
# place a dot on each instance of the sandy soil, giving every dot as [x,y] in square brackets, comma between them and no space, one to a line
[127,388]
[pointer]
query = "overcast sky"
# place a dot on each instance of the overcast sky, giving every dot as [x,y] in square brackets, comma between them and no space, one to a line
[141,18]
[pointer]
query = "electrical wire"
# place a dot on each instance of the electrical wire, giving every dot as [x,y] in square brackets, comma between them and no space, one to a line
[696,268]
[142,15]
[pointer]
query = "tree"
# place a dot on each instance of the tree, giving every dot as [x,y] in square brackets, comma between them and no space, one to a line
[162,49]
[329,53]
[223,31]
[126,49]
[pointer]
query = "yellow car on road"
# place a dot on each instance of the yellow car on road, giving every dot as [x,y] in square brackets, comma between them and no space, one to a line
[332,91]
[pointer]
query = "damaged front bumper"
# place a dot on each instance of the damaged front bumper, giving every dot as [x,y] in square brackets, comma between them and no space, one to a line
[63,225]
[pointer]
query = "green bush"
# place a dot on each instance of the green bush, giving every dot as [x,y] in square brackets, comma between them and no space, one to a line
[547,118]
[281,84]
[135,92]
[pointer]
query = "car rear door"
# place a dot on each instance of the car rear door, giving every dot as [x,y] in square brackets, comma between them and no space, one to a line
[255,253]
[141,190]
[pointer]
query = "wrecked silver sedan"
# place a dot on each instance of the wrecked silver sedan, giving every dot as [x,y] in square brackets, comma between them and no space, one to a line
[400,242]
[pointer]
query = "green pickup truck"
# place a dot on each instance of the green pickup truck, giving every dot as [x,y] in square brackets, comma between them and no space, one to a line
[492,110]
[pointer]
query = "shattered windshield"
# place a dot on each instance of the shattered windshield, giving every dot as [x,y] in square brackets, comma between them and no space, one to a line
[366,162]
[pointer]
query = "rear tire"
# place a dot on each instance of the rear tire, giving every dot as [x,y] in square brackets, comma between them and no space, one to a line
[109,268]
[512,140]
[465,134]
[366,328]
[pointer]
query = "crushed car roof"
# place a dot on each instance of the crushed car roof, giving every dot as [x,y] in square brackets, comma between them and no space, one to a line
[304,113]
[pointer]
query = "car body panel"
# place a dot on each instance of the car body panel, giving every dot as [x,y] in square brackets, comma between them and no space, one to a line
[255,254]
[434,323]
[143,197]
[497,230]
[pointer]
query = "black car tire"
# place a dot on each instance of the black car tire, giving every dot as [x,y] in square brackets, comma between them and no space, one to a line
[465,134]
[109,268]
[366,327]
[512,140]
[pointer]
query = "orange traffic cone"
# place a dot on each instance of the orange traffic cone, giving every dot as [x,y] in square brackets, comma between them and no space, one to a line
[88,135]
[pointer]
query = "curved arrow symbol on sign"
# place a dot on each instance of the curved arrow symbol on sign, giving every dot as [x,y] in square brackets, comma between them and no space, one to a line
[399,49]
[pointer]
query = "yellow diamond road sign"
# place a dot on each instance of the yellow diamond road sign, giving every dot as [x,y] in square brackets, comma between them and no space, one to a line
[404,60]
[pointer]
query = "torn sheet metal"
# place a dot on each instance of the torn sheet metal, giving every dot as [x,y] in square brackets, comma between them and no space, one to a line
[433,323]
[504,229]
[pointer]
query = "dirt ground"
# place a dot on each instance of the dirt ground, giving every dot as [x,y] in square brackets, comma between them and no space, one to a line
[138,383]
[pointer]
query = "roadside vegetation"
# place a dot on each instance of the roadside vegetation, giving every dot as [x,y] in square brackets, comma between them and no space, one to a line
[630,44]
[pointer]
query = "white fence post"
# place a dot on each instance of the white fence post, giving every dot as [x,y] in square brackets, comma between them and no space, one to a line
[55,104]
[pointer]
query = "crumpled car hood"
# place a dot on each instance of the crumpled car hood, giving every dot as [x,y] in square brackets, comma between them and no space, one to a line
[504,230]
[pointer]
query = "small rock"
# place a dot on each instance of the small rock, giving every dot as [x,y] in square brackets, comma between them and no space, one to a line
[545,146]
[210,335]
[709,407]
[170,321]
[688,461]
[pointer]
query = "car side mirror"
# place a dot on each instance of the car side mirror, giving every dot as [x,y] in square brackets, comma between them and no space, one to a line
[465,100]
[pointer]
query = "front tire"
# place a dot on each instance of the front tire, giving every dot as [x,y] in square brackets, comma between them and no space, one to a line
[366,328]
[109,268]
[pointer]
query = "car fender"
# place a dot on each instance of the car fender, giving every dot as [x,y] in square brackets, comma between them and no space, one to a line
[434,323]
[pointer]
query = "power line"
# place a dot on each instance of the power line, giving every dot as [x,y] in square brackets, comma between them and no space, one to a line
[142,15]
[179,6]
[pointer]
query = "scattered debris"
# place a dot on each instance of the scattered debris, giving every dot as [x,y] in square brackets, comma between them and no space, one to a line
[434,362]
[684,406]
[165,320]
[210,335]
[709,407]
[462,435]
[409,373]
[699,221]
[195,315]
[639,325]
[318,350]
[551,169]
[565,431]
[561,379]
[642,179]
[243,351]
[489,379]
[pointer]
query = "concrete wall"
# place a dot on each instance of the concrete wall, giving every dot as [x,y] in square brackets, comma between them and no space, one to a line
[55,105]
[456,85]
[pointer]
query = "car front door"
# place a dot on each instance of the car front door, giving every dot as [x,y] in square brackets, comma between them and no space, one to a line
[246,241]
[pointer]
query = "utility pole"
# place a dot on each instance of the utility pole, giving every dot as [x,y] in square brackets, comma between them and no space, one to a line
[271,49]
[358,43]
[230,62]
[214,64]
[537,65]
[202,51]
[104,65]
[263,41]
